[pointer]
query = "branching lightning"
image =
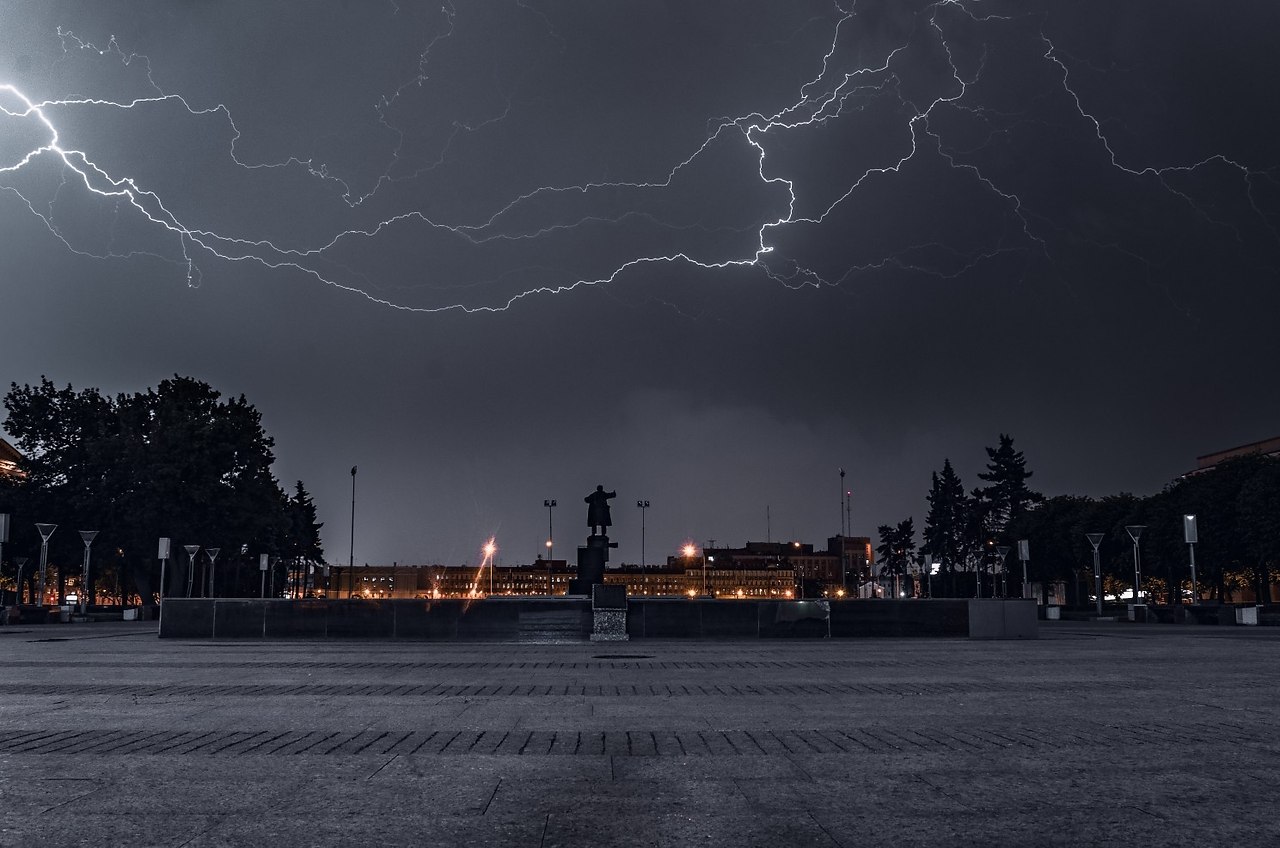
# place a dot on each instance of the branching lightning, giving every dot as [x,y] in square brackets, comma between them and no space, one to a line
[841,93]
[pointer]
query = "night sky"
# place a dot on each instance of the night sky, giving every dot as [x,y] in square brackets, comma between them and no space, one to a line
[701,253]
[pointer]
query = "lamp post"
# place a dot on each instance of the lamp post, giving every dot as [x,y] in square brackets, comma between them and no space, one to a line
[1135,532]
[351,560]
[643,505]
[191,550]
[1024,554]
[1095,539]
[977,572]
[45,530]
[489,550]
[162,554]
[213,556]
[87,537]
[22,563]
[1189,533]
[4,537]
[550,504]
[1002,552]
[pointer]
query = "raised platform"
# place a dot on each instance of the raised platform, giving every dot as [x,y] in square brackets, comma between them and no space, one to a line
[571,619]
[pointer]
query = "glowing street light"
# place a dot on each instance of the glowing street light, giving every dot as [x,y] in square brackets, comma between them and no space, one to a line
[45,530]
[489,550]
[87,537]
[550,504]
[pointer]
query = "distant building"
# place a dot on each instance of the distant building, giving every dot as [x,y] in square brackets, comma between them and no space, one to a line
[447,581]
[813,572]
[10,462]
[759,570]
[1267,447]
[686,577]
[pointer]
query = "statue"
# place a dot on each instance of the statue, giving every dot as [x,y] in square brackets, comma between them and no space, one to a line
[598,510]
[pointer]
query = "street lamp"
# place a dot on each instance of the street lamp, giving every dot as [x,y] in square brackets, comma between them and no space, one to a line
[1024,554]
[643,505]
[489,550]
[213,556]
[351,562]
[1002,551]
[1135,532]
[1095,539]
[1189,533]
[4,536]
[191,550]
[22,563]
[550,504]
[45,530]
[87,537]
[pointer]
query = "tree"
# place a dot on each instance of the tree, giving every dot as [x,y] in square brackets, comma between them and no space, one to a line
[1059,550]
[175,461]
[948,536]
[302,540]
[897,548]
[1007,496]
[1258,519]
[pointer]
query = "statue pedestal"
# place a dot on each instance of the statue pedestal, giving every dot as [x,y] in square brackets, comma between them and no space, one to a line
[591,560]
[609,613]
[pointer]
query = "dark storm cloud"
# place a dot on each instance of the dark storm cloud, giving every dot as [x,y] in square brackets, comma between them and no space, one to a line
[1056,220]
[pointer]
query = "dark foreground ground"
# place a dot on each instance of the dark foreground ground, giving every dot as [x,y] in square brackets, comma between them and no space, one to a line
[1104,734]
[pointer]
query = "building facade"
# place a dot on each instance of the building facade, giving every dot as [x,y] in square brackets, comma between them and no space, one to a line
[10,462]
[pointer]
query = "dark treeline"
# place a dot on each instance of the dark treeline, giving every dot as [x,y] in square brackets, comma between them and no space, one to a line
[1236,504]
[177,461]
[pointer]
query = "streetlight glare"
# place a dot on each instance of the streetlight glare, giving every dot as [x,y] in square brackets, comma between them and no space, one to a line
[689,550]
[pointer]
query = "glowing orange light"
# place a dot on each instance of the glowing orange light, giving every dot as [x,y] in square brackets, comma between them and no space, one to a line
[689,550]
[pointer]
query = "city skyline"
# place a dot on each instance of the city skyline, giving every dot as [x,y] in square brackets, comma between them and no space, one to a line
[705,257]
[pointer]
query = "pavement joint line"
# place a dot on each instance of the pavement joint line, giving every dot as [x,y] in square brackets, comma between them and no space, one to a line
[122,741]
[381,767]
[824,830]
[492,795]
[71,800]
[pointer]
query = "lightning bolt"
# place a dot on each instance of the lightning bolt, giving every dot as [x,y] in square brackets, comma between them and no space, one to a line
[942,123]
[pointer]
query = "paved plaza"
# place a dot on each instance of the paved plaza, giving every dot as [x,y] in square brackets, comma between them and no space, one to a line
[1094,734]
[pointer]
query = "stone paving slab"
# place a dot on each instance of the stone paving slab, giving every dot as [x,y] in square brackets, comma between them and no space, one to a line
[1093,734]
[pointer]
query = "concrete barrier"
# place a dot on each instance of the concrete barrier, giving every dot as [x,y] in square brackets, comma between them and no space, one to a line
[1003,619]
[568,619]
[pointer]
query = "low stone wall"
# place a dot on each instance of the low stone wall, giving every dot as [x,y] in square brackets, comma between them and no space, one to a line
[567,619]
[522,619]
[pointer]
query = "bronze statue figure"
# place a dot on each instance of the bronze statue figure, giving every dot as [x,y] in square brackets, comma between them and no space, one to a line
[598,510]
